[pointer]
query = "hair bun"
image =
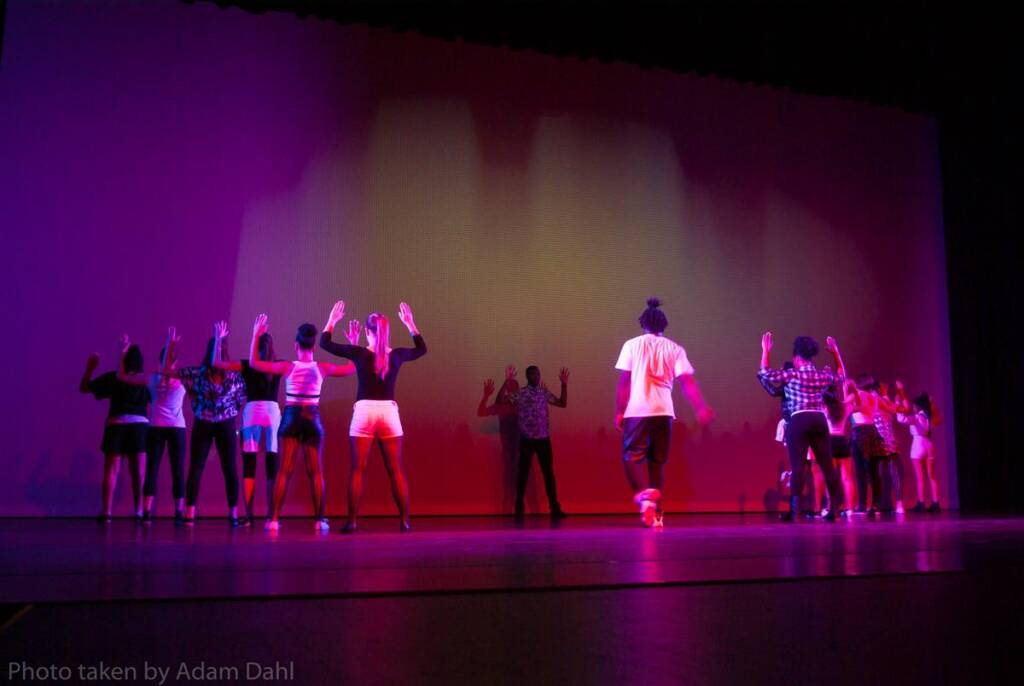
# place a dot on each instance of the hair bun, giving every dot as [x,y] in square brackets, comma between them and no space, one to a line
[653,302]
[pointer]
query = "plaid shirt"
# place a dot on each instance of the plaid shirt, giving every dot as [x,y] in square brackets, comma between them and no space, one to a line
[803,387]
[777,392]
[213,402]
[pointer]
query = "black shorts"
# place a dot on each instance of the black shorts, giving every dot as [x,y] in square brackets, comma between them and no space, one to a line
[646,438]
[868,440]
[302,422]
[840,446]
[124,439]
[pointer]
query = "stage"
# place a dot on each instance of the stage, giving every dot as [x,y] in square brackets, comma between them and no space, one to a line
[709,599]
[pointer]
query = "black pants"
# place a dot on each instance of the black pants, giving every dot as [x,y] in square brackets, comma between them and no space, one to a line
[204,436]
[541,446]
[810,430]
[871,467]
[174,438]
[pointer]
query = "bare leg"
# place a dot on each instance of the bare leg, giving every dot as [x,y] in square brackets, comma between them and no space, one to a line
[360,448]
[289,446]
[656,477]
[846,474]
[932,481]
[919,476]
[391,449]
[315,472]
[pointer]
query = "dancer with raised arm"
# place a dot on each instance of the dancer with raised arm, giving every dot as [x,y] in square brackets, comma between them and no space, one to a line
[261,417]
[649,365]
[124,431]
[531,403]
[922,450]
[301,426]
[805,386]
[375,414]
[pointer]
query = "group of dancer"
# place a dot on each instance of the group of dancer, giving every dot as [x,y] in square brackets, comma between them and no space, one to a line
[220,389]
[818,404]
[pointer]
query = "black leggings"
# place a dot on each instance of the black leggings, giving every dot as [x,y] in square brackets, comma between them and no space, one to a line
[249,466]
[870,464]
[174,438]
[527,447]
[204,435]
[810,430]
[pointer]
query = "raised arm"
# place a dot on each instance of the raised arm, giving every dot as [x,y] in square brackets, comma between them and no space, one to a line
[833,347]
[326,342]
[220,332]
[331,369]
[420,349]
[563,399]
[766,375]
[91,363]
[903,405]
[499,408]
[277,368]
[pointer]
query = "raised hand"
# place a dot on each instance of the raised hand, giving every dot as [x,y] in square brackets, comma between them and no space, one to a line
[563,375]
[488,387]
[93,361]
[259,326]
[766,341]
[353,332]
[172,337]
[220,330]
[337,313]
[830,345]
[405,315]
[510,372]
[123,343]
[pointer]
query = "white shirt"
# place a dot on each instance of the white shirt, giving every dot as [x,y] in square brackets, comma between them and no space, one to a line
[920,425]
[168,395]
[654,362]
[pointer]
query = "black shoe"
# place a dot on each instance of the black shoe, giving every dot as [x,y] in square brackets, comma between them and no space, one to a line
[104,519]
[829,516]
[404,527]
[350,528]
[188,521]
[147,517]
[933,508]
[237,522]
[558,514]
[519,516]
[179,518]
[918,509]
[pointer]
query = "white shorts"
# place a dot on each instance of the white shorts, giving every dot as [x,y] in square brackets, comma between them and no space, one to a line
[375,419]
[260,420]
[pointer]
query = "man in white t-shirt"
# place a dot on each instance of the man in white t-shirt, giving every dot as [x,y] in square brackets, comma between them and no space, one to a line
[650,364]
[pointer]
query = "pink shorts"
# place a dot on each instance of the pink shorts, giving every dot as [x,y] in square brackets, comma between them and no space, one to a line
[375,419]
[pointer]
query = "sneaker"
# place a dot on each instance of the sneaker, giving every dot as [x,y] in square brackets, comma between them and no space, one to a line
[237,522]
[188,521]
[104,519]
[272,525]
[179,518]
[899,509]
[918,509]
[933,508]
[147,517]
[659,521]
[350,528]
[558,514]
[648,512]
[322,525]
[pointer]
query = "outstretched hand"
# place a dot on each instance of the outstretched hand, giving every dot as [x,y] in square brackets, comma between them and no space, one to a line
[510,372]
[488,387]
[705,415]
[831,345]
[259,326]
[563,375]
[220,330]
[766,341]
[93,361]
[123,343]
[353,332]
[405,315]
[172,337]
[337,313]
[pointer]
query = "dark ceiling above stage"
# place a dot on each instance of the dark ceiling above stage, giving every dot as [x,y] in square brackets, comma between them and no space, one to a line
[914,55]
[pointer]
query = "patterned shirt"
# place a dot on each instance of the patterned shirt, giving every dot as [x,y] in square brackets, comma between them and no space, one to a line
[803,387]
[532,405]
[883,422]
[777,392]
[213,402]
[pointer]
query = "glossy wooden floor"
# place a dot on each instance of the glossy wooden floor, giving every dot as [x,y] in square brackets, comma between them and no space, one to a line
[598,600]
[77,560]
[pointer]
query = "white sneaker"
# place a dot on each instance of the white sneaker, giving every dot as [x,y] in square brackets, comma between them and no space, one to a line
[322,525]
[899,509]
[659,521]
[272,525]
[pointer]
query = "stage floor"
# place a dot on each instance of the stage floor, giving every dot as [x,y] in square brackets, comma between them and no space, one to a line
[598,600]
[61,560]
